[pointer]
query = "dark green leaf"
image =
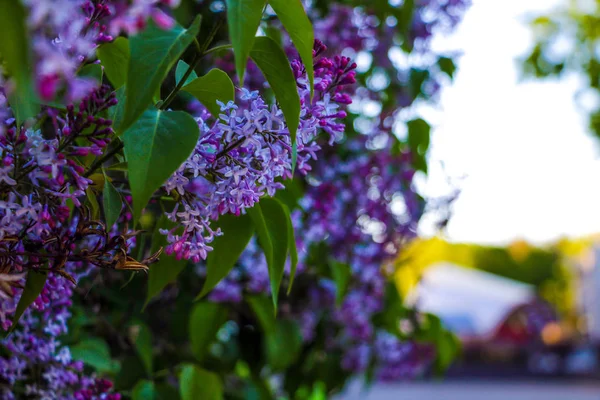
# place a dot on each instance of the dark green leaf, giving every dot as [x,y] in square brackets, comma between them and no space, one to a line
[283,345]
[293,251]
[262,231]
[112,203]
[131,371]
[155,146]
[168,267]
[216,85]
[263,309]
[341,274]
[275,220]
[116,112]
[205,321]
[167,392]
[275,66]
[295,21]
[243,18]
[144,390]
[180,71]
[196,383]
[114,57]
[418,141]
[95,353]
[33,287]
[227,249]
[94,206]
[153,53]
[447,66]
[141,337]
[14,51]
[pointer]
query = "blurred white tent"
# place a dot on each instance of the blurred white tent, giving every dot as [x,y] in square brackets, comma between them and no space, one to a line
[470,302]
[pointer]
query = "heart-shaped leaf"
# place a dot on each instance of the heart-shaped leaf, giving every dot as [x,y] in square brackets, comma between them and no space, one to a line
[215,85]
[155,147]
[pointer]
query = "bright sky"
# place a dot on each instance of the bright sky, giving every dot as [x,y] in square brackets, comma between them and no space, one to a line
[531,169]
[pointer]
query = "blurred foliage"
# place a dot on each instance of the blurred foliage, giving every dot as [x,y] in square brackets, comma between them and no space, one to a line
[568,41]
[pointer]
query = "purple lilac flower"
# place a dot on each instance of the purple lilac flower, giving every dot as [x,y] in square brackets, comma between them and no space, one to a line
[240,155]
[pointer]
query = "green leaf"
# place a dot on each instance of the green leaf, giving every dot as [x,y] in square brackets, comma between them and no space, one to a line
[196,383]
[153,53]
[94,206]
[112,203]
[33,287]
[91,71]
[341,275]
[275,66]
[95,353]
[167,268]
[141,337]
[295,21]
[243,18]
[180,71]
[114,57]
[117,111]
[14,52]
[263,309]
[144,390]
[283,345]
[155,146]
[205,321]
[293,251]
[273,230]
[262,231]
[216,85]
[227,249]
[447,66]
[418,141]
[447,349]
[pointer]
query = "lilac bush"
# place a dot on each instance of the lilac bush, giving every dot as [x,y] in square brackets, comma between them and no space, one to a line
[122,151]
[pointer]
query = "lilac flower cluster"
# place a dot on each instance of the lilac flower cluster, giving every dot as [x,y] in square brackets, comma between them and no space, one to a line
[44,227]
[38,366]
[41,176]
[240,156]
[360,203]
[66,33]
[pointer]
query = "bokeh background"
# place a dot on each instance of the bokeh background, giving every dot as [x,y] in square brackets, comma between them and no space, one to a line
[514,136]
